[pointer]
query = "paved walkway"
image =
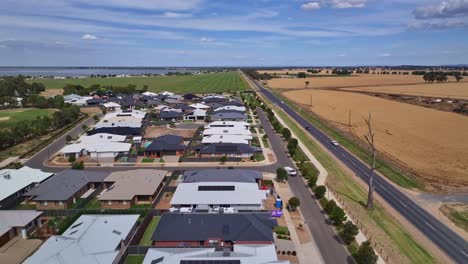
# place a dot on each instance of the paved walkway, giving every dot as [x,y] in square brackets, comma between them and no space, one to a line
[8,161]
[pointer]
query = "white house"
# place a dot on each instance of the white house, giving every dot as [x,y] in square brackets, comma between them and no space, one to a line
[101,151]
[205,195]
[200,106]
[126,113]
[227,131]
[236,139]
[150,94]
[13,183]
[231,107]
[168,94]
[112,106]
[197,114]
[233,124]
[102,137]
[92,239]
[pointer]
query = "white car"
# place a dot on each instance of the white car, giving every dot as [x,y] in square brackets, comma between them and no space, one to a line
[335,143]
[173,209]
[229,210]
[186,209]
[290,171]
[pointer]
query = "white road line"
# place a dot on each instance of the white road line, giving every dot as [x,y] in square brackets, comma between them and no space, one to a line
[429,225]
[464,253]
[403,203]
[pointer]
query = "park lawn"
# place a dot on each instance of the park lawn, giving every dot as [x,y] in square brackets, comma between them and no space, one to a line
[203,83]
[9,117]
[355,196]
[134,259]
[146,239]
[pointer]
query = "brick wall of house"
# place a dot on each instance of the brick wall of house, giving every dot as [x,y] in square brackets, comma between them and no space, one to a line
[176,243]
[116,204]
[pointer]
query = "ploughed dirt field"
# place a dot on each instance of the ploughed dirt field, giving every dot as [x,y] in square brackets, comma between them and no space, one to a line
[432,143]
[346,81]
[446,90]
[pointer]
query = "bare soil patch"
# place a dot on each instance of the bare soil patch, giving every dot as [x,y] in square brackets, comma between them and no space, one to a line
[5,118]
[446,90]
[430,142]
[165,202]
[157,131]
[52,92]
[345,81]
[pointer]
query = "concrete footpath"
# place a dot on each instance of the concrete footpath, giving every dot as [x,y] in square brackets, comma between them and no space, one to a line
[322,177]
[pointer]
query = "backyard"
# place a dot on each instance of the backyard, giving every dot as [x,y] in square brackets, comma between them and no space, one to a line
[146,239]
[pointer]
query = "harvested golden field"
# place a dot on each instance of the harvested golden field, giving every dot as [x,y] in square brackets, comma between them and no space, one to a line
[450,90]
[430,142]
[283,71]
[345,81]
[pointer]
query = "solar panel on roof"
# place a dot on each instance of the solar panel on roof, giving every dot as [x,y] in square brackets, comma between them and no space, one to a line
[216,188]
[116,232]
[77,225]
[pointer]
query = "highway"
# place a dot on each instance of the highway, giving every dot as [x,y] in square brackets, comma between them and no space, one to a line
[447,240]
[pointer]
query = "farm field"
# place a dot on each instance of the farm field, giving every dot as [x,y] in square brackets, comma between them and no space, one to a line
[450,90]
[346,81]
[204,83]
[9,117]
[430,142]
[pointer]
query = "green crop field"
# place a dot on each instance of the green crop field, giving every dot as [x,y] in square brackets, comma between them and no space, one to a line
[9,117]
[203,83]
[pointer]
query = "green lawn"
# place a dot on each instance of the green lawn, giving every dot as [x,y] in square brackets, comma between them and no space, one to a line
[93,204]
[354,194]
[9,117]
[134,259]
[147,160]
[146,239]
[203,83]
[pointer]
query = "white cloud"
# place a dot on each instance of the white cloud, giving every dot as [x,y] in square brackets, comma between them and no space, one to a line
[175,15]
[89,37]
[206,40]
[438,25]
[346,3]
[446,9]
[310,6]
[385,55]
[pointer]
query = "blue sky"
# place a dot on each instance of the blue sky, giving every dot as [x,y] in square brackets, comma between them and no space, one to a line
[232,33]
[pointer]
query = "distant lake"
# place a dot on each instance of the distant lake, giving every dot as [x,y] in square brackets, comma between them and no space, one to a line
[81,71]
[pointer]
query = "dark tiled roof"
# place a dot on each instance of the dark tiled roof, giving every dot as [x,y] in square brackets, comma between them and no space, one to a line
[166,142]
[214,100]
[65,184]
[222,175]
[228,114]
[170,114]
[183,107]
[190,96]
[227,148]
[229,227]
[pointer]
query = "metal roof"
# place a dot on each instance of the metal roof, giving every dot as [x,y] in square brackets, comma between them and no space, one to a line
[227,148]
[16,218]
[12,181]
[222,175]
[230,227]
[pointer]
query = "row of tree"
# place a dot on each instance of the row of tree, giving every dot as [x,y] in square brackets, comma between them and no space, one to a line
[101,90]
[25,130]
[440,76]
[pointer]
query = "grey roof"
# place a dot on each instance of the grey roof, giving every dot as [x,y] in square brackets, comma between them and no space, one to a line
[229,227]
[227,148]
[166,142]
[222,175]
[16,218]
[170,114]
[229,114]
[65,184]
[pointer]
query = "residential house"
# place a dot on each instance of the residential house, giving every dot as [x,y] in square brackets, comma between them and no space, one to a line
[233,103]
[197,114]
[150,94]
[105,151]
[244,151]
[190,97]
[215,105]
[17,222]
[206,195]
[166,145]
[234,139]
[240,254]
[228,115]
[222,175]
[125,189]
[92,239]
[102,137]
[14,183]
[179,230]
[133,131]
[75,99]
[112,106]
[64,189]
[231,107]
[94,101]
[200,106]
[170,116]
[228,124]
[238,130]
[185,108]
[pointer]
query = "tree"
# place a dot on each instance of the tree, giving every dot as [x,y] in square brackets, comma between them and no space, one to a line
[366,254]
[286,133]
[72,159]
[458,76]
[293,203]
[293,143]
[337,216]
[320,191]
[281,174]
[329,206]
[68,138]
[307,84]
[371,141]
[223,159]
[78,165]
[349,232]
[301,75]
[311,181]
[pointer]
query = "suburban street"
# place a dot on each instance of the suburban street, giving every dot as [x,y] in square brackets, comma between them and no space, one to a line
[330,248]
[447,240]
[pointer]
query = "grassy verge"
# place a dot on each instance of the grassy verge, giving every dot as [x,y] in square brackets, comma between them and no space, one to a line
[146,239]
[147,160]
[266,143]
[458,217]
[389,171]
[387,229]
[134,259]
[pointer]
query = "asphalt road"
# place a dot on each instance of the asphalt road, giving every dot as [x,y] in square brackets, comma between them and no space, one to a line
[448,241]
[328,243]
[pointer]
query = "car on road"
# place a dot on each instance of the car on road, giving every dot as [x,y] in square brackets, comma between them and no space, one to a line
[334,143]
[307,127]
[229,210]
[173,209]
[186,209]
[290,171]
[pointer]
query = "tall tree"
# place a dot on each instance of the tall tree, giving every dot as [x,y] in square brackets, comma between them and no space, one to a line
[370,138]
[307,84]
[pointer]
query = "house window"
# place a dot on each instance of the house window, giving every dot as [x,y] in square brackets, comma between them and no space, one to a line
[45,203]
[60,203]
[124,202]
[109,202]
